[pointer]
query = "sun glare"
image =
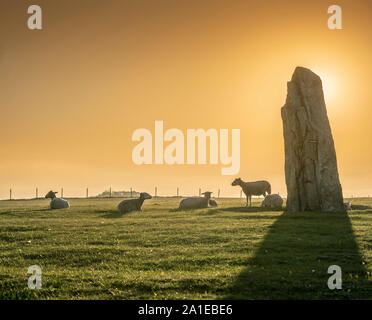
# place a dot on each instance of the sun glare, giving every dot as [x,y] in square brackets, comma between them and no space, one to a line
[331,86]
[330,89]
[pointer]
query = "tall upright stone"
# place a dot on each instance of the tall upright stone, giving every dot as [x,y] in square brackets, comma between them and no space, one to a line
[310,158]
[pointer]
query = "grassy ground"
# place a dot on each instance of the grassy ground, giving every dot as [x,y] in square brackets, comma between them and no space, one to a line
[90,251]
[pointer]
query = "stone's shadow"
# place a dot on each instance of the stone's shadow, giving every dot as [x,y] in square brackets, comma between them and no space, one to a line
[293,258]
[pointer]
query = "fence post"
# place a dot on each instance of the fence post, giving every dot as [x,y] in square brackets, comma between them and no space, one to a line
[110,193]
[241,193]
[199,192]
[10,194]
[219,193]
[37,193]
[131,192]
[178,192]
[156,192]
[87,194]
[61,192]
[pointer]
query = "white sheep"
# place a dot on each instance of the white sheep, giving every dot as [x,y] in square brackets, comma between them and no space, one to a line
[57,203]
[272,201]
[198,202]
[255,188]
[347,206]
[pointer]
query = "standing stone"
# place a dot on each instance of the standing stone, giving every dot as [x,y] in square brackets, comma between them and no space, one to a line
[310,158]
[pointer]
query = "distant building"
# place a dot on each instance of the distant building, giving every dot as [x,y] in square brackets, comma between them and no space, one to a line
[118,194]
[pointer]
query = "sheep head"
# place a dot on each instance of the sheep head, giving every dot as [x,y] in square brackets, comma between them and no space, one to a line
[237,182]
[145,195]
[207,194]
[51,194]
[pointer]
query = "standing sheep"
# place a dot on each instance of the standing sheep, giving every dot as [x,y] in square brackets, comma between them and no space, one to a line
[273,201]
[198,202]
[250,189]
[133,204]
[56,203]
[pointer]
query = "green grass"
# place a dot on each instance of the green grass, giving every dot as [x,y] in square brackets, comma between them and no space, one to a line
[92,252]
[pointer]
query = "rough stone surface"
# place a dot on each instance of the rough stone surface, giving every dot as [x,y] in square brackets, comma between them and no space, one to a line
[310,158]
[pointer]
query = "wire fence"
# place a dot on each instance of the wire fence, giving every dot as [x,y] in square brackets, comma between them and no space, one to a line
[131,193]
[109,193]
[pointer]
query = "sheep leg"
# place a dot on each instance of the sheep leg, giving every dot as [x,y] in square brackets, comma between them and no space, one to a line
[250,201]
[247,201]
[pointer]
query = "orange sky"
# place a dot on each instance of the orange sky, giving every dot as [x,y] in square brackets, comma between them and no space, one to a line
[73,93]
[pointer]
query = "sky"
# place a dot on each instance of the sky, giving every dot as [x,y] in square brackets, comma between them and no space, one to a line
[73,93]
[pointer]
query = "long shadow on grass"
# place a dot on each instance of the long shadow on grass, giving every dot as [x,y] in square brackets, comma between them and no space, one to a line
[216,210]
[23,211]
[248,209]
[293,259]
[238,209]
[113,214]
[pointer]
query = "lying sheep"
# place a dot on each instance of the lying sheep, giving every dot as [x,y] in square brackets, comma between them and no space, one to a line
[273,201]
[133,204]
[347,206]
[198,202]
[56,203]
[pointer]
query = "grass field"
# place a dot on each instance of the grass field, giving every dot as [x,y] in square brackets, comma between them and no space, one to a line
[90,251]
